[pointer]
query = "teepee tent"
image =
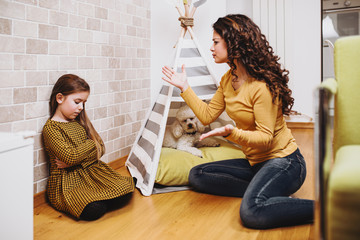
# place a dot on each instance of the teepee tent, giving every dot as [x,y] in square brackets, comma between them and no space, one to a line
[144,157]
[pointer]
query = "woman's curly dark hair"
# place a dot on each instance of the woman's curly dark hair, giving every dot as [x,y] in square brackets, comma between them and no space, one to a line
[246,43]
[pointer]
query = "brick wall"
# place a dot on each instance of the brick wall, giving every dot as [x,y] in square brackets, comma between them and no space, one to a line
[106,42]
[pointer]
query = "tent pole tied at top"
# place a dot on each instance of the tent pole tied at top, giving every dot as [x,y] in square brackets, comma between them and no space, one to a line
[186,21]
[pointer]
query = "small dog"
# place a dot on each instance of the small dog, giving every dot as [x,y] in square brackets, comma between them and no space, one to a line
[185,132]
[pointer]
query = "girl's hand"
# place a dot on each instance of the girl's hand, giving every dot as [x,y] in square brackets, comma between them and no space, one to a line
[177,79]
[61,164]
[222,131]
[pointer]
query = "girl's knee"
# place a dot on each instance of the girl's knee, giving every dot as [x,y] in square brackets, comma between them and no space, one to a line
[93,211]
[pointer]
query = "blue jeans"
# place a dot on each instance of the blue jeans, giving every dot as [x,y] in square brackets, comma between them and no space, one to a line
[265,188]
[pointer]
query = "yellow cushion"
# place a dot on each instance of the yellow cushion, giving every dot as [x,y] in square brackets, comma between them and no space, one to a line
[175,165]
[343,206]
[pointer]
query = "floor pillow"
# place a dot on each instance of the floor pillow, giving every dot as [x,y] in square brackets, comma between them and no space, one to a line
[175,165]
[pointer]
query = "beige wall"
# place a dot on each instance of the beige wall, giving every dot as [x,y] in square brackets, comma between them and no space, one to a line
[107,42]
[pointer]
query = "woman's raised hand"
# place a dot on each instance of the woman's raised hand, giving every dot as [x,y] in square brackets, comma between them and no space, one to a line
[177,79]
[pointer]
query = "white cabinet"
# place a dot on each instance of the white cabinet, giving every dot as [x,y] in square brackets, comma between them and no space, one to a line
[16,185]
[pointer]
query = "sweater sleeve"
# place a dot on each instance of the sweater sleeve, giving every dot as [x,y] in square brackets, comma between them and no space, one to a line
[65,151]
[205,112]
[265,114]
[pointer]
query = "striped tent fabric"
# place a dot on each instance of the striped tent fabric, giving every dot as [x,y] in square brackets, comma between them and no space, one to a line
[141,161]
[144,157]
[199,76]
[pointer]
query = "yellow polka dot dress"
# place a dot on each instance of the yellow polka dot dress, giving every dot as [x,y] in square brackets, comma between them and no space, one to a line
[88,179]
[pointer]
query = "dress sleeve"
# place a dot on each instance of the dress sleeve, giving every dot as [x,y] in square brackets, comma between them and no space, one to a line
[65,151]
[205,112]
[265,114]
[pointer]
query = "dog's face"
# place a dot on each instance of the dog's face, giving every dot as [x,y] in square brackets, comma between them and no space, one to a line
[188,120]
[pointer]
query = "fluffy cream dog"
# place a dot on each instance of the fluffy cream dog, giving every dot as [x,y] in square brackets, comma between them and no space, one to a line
[184,133]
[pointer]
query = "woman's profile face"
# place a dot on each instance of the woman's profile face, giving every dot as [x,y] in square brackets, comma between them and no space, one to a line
[219,49]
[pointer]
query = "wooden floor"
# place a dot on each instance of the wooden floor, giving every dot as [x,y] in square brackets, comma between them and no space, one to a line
[178,215]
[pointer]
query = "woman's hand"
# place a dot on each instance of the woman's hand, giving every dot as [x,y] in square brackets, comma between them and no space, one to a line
[221,131]
[177,79]
[61,164]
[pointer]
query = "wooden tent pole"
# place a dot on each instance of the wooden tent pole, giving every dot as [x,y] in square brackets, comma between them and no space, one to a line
[183,30]
[179,11]
[182,34]
[186,7]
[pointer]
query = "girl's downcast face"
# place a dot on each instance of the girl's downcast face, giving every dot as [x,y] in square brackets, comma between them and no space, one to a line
[70,106]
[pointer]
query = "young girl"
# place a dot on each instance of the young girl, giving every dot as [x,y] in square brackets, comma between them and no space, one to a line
[79,183]
[255,94]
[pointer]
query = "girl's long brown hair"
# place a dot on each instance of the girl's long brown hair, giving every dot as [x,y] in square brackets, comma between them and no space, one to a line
[246,44]
[66,85]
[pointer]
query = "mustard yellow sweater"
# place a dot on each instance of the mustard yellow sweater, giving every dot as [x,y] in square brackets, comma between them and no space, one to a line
[260,125]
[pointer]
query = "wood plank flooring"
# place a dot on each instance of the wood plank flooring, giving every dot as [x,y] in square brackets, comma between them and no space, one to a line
[178,215]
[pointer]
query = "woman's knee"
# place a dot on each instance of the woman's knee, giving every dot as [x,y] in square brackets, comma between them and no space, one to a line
[194,177]
[252,217]
[247,216]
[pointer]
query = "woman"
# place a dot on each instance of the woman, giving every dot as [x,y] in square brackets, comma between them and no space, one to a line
[255,94]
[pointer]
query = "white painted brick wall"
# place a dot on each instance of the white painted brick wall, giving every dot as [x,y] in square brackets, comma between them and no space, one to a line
[106,42]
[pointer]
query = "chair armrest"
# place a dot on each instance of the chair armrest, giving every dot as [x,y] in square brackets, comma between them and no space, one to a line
[330,85]
[328,88]
[323,147]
